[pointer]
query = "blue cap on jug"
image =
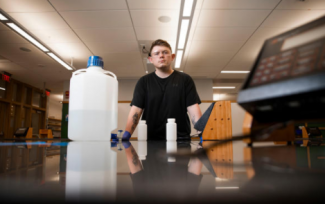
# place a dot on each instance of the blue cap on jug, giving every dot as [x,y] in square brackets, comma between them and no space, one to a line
[95,61]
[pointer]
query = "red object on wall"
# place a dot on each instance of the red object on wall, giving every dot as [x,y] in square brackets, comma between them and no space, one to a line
[5,77]
[67,95]
[47,93]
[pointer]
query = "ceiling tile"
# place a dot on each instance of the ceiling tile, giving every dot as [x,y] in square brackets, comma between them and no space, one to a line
[154,4]
[114,47]
[212,47]
[10,66]
[264,33]
[228,18]
[64,5]
[80,63]
[26,6]
[237,68]
[40,21]
[36,66]
[231,76]
[212,69]
[11,37]
[106,35]
[217,59]
[108,57]
[199,4]
[77,51]
[97,19]
[4,27]
[249,51]
[154,33]
[122,64]
[131,69]
[30,58]
[194,27]
[149,18]
[14,48]
[240,4]
[224,33]
[304,5]
[291,18]
[245,64]
[56,36]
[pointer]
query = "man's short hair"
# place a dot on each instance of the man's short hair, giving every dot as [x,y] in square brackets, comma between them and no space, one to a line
[159,42]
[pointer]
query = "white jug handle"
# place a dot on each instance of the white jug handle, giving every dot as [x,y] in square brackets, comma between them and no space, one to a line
[111,73]
[78,71]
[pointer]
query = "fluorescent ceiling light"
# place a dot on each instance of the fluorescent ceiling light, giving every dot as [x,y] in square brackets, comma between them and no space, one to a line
[179,58]
[3,18]
[2,88]
[187,8]
[28,37]
[224,188]
[223,87]
[183,33]
[235,72]
[60,61]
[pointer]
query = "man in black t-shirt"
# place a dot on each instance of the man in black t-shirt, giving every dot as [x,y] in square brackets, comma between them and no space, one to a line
[164,94]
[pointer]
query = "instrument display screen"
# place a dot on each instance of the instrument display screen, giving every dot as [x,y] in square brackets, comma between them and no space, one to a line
[291,55]
[287,80]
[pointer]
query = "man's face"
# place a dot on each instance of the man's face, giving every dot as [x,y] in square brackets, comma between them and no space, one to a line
[161,57]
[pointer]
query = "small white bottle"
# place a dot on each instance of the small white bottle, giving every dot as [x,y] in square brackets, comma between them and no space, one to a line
[171,131]
[142,150]
[142,131]
[171,147]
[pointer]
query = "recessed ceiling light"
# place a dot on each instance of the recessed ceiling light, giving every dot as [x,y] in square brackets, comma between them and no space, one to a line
[235,72]
[223,87]
[188,8]
[183,33]
[3,18]
[25,49]
[27,36]
[60,61]
[178,58]
[164,19]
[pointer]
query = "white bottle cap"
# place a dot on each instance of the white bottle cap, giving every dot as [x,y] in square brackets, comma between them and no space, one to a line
[171,120]
[171,159]
[142,157]
[142,122]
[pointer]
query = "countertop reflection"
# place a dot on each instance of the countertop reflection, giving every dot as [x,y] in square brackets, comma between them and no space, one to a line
[159,171]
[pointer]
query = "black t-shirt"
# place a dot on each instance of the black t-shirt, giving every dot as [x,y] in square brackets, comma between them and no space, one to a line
[163,98]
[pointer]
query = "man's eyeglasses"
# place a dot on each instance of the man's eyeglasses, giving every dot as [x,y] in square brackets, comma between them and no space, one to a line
[156,54]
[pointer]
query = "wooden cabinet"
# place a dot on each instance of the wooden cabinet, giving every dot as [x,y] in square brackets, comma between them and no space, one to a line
[21,105]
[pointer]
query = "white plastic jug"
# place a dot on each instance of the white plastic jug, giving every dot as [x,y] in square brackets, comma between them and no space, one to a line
[93,102]
[91,172]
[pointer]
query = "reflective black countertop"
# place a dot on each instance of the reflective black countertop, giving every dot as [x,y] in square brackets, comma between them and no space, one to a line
[159,172]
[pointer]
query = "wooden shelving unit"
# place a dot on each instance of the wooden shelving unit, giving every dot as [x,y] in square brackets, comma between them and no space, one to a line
[55,126]
[21,105]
